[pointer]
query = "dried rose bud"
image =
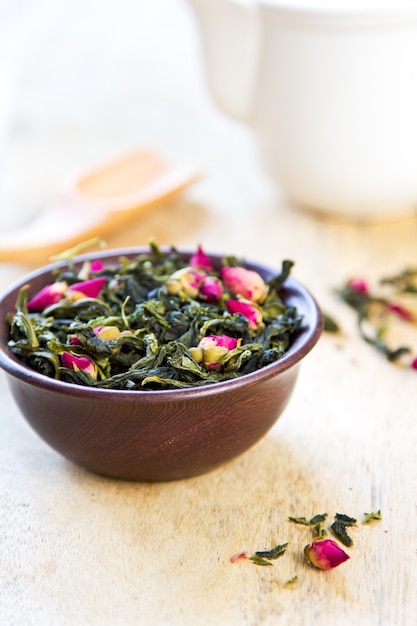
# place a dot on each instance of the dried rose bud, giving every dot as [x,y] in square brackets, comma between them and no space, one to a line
[96,266]
[248,309]
[86,289]
[414,363]
[201,261]
[89,268]
[325,554]
[243,282]
[212,349]
[105,333]
[211,289]
[72,362]
[359,284]
[186,280]
[50,294]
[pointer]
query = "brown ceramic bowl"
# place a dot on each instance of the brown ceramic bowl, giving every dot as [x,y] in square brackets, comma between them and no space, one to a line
[156,435]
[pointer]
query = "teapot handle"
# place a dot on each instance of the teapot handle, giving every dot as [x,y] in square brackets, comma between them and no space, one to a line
[231,38]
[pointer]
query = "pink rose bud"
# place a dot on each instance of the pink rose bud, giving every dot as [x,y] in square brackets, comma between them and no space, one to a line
[244,282]
[414,363]
[50,294]
[89,268]
[212,349]
[201,261]
[325,554]
[96,266]
[72,362]
[248,309]
[86,289]
[219,341]
[186,280]
[211,289]
[105,333]
[358,284]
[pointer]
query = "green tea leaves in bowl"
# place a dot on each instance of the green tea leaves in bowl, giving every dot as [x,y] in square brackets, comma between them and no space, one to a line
[160,320]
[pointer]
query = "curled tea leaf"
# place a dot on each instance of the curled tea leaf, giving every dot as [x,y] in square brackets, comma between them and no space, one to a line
[318,519]
[339,526]
[339,530]
[371,517]
[299,520]
[275,553]
[330,324]
[258,560]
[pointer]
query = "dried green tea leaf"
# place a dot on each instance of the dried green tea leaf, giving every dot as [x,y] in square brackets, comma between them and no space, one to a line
[44,362]
[275,553]
[291,581]
[374,313]
[330,325]
[158,381]
[315,520]
[277,282]
[377,340]
[339,530]
[345,519]
[299,520]
[70,253]
[339,526]
[259,560]
[371,517]
[318,519]
[319,531]
[22,322]
[403,282]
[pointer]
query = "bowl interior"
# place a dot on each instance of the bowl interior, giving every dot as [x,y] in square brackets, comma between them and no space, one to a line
[293,293]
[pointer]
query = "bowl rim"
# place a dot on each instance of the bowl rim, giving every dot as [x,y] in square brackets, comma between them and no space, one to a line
[307,338]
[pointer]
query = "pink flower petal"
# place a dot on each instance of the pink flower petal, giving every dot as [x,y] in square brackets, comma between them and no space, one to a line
[186,280]
[325,554]
[50,294]
[401,311]
[359,284]
[211,289]
[73,362]
[74,341]
[252,313]
[219,341]
[201,261]
[244,282]
[239,556]
[89,288]
[96,266]
[214,348]
[89,268]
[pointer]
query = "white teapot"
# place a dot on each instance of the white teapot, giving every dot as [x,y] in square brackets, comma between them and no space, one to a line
[330,89]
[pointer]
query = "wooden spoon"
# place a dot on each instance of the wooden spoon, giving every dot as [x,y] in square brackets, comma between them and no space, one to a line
[101,201]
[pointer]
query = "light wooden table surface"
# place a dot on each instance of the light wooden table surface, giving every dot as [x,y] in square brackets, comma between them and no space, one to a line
[83,550]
